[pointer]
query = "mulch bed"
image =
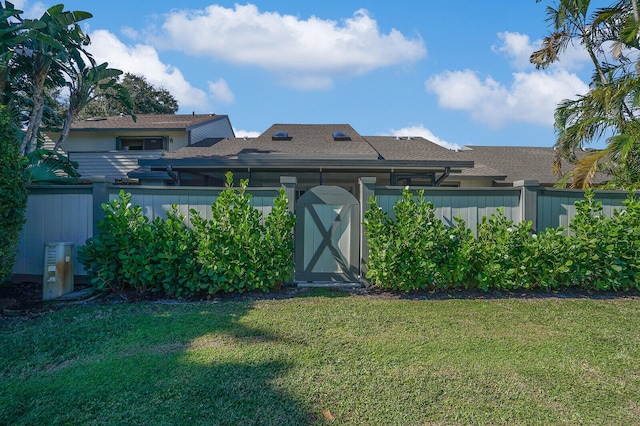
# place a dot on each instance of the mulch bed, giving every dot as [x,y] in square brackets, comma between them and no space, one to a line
[25,298]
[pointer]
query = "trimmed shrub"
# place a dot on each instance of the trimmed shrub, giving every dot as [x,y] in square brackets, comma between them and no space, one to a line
[606,250]
[13,193]
[416,249]
[235,250]
[239,251]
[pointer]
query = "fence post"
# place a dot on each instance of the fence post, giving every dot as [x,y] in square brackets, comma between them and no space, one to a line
[289,185]
[529,201]
[367,190]
[100,196]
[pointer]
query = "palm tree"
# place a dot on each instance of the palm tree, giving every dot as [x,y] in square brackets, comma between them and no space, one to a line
[609,109]
[83,82]
[45,53]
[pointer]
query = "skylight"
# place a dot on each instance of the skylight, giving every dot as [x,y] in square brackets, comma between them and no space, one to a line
[280,136]
[340,136]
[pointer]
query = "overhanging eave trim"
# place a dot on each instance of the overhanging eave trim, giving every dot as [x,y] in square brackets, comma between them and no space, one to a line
[291,164]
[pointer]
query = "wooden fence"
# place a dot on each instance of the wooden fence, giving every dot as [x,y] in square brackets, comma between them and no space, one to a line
[71,213]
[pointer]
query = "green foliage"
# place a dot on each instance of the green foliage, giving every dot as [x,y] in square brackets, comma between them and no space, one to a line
[606,251]
[236,251]
[46,166]
[145,98]
[13,193]
[416,250]
[500,253]
[232,251]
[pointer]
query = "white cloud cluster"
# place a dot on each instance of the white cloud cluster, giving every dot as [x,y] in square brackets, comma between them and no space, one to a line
[308,53]
[531,96]
[144,60]
[422,131]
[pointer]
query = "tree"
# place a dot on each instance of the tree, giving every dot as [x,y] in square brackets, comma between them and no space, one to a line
[44,54]
[83,83]
[147,99]
[610,107]
[13,192]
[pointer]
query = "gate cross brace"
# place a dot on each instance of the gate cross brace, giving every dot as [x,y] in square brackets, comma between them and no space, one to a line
[326,240]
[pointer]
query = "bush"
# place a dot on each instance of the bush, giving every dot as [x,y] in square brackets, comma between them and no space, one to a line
[13,193]
[235,250]
[606,250]
[501,253]
[416,250]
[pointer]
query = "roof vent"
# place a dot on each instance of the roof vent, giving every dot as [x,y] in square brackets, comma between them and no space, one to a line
[280,136]
[340,136]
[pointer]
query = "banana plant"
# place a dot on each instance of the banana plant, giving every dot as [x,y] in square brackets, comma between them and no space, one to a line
[46,166]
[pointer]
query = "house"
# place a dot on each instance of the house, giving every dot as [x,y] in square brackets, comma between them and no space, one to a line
[315,154]
[112,146]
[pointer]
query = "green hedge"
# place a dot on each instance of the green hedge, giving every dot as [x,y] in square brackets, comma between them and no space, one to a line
[235,250]
[13,193]
[417,251]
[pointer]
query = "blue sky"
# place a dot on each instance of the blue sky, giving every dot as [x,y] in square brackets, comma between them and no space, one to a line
[456,73]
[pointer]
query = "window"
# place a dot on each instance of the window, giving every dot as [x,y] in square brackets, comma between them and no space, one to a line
[141,143]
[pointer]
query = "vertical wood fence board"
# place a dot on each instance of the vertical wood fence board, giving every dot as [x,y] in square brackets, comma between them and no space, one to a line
[53,214]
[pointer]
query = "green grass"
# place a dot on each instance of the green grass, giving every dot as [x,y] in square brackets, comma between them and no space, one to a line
[369,362]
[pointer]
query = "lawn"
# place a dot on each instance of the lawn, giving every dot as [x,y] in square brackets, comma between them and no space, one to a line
[308,360]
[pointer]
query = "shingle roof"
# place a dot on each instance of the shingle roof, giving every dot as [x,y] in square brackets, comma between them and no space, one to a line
[412,148]
[145,121]
[516,162]
[305,140]
[316,140]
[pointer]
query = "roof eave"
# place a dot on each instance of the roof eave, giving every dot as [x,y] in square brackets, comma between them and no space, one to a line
[301,163]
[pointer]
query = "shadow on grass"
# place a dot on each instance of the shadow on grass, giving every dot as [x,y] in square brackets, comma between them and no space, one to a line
[154,364]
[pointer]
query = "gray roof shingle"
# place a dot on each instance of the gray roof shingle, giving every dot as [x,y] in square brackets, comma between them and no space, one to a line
[305,140]
[145,121]
[516,162]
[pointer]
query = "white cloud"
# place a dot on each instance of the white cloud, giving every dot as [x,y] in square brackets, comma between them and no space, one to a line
[130,33]
[31,10]
[531,97]
[246,133]
[221,91]
[422,131]
[314,50]
[143,59]
[517,47]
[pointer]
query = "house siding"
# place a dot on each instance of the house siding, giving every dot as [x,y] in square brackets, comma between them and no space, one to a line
[217,129]
[114,164]
[90,141]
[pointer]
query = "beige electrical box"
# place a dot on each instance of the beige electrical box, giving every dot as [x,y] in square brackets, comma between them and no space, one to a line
[58,270]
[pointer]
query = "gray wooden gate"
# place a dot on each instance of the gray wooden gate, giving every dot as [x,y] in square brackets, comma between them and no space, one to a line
[327,235]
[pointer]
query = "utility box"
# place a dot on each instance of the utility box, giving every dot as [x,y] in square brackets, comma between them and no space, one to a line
[58,270]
